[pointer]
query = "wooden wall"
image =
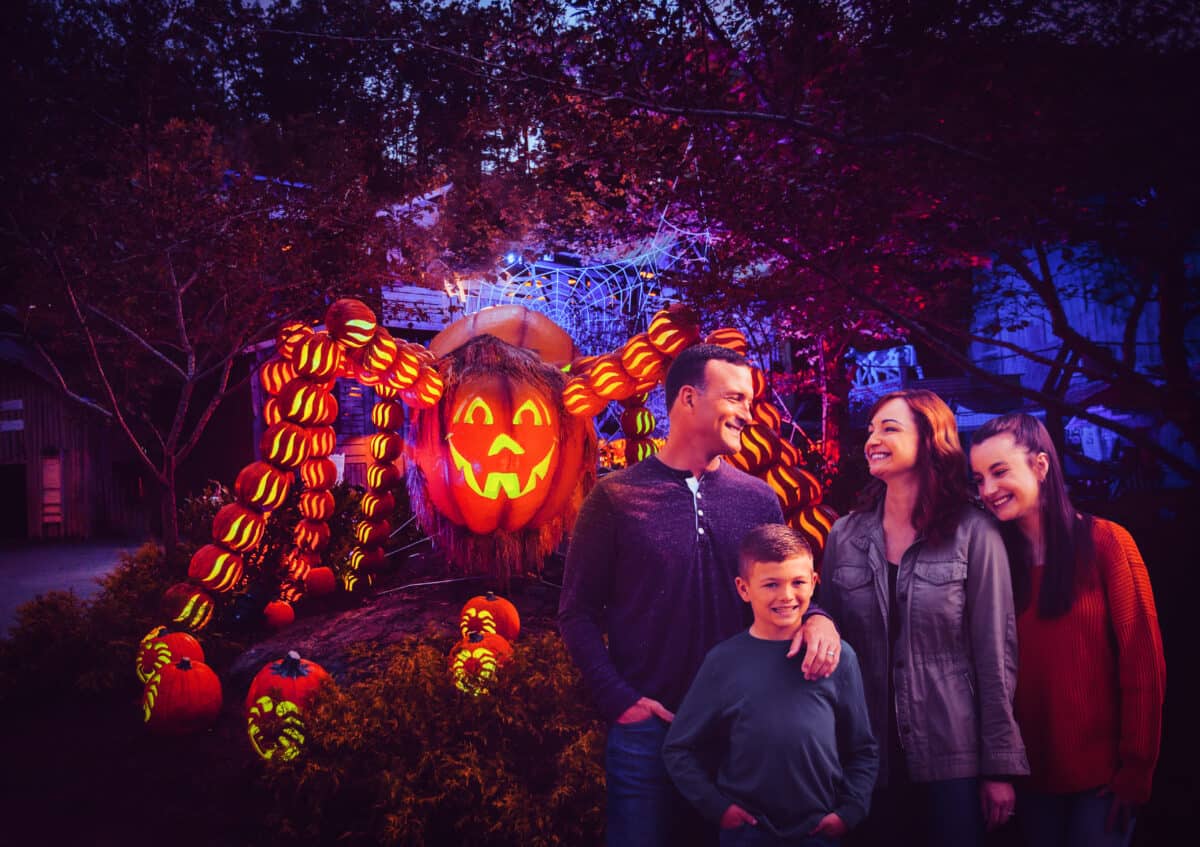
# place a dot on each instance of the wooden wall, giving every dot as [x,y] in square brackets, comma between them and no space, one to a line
[100,486]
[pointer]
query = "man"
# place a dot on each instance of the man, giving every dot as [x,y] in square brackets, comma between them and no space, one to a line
[652,563]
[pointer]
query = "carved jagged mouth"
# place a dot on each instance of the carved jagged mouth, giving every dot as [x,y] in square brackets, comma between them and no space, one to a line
[498,481]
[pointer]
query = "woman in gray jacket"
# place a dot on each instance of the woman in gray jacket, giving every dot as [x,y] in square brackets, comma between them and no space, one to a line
[917,580]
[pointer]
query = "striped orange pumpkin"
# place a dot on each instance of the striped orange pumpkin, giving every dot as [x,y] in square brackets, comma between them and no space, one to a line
[382,477]
[187,606]
[765,413]
[263,486]
[238,528]
[387,415]
[814,521]
[317,504]
[580,400]
[367,559]
[372,533]
[318,357]
[673,329]
[322,440]
[289,335]
[642,360]
[385,446]
[380,354]
[275,374]
[318,473]
[760,447]
[794,486]
[307,403]
[637,449]
[351,322]
[730,338]
[638,422]
[285,445]
[377,505]
[216,568]
[426,391]
[311,535]
[272,412]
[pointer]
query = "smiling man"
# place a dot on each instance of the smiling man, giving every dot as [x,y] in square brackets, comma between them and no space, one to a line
[652,563]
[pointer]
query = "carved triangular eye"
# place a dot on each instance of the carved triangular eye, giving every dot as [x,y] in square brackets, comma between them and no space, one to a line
[469,412]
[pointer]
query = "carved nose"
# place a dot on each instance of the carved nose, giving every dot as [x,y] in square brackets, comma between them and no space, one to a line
[503,442]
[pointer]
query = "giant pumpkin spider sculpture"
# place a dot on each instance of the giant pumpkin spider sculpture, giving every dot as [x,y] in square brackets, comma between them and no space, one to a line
[500,448]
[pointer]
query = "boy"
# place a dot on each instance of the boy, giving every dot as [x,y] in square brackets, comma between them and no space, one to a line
[797,759]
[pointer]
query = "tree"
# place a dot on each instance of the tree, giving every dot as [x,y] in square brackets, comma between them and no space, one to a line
[161,263]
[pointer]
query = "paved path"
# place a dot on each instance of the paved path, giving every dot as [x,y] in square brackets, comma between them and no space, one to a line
[34,569]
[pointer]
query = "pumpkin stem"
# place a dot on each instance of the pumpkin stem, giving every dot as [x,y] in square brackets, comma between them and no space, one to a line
[185,664]
[291,666]
[475,637]
[491,596]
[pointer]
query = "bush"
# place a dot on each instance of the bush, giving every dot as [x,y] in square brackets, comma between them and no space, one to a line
[62,646]
[405,758]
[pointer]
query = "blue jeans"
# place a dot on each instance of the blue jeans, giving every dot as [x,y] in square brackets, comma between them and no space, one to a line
[1067,820]
[750,836]
[944,813]
[644,807]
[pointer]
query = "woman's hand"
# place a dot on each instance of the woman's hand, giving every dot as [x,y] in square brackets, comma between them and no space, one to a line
[824,647]
[998,800]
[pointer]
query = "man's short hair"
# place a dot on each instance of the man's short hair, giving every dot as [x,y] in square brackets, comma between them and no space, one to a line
[688,367]
[772,542]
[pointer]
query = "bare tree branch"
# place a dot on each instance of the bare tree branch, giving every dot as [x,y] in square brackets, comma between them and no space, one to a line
[518,77]
[99,363]
[137,338]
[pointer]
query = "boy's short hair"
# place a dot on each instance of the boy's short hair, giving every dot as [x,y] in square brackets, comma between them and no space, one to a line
[772,542]
[688,367]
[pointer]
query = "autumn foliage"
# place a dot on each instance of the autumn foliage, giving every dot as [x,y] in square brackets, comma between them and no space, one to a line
[404,758]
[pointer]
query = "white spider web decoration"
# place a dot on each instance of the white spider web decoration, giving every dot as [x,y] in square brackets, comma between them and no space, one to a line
[600,305]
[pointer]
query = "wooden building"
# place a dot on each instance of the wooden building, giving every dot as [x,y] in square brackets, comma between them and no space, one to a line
[65,472]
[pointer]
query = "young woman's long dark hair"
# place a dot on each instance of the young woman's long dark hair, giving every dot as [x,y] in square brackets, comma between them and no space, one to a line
[942,487]
[1067,533]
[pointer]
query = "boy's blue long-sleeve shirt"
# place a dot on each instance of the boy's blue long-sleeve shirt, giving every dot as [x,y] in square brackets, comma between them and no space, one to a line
[791,750]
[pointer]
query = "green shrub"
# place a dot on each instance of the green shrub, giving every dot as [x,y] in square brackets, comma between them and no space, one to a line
[62,646]
[264,570]
[405,758]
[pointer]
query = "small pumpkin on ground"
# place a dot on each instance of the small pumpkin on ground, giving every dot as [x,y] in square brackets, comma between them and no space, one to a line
[160,647]
[476,660]
[489,613]
[290,678]
[278,614]
[183,697]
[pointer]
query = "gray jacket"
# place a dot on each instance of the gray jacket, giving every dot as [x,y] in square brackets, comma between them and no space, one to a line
[956,654]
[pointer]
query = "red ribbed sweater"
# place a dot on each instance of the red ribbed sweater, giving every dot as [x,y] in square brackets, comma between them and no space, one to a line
[1090,683]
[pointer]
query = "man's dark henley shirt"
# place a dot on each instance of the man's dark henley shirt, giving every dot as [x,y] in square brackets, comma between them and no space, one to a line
[653,566]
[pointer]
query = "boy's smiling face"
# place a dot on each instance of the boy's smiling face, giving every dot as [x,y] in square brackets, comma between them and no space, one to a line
[779,594]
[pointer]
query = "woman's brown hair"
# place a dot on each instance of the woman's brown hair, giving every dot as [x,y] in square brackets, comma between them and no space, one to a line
[941,465]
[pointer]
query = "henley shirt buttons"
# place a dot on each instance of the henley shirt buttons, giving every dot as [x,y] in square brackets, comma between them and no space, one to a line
[699,511]
[700,530]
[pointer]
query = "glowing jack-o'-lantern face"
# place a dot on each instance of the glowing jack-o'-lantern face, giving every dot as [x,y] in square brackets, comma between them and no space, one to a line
[500,451]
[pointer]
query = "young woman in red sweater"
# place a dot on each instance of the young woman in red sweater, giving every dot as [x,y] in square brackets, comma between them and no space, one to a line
[1090,674]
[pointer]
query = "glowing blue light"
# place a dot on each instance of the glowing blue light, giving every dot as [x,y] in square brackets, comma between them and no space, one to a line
[510,258]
